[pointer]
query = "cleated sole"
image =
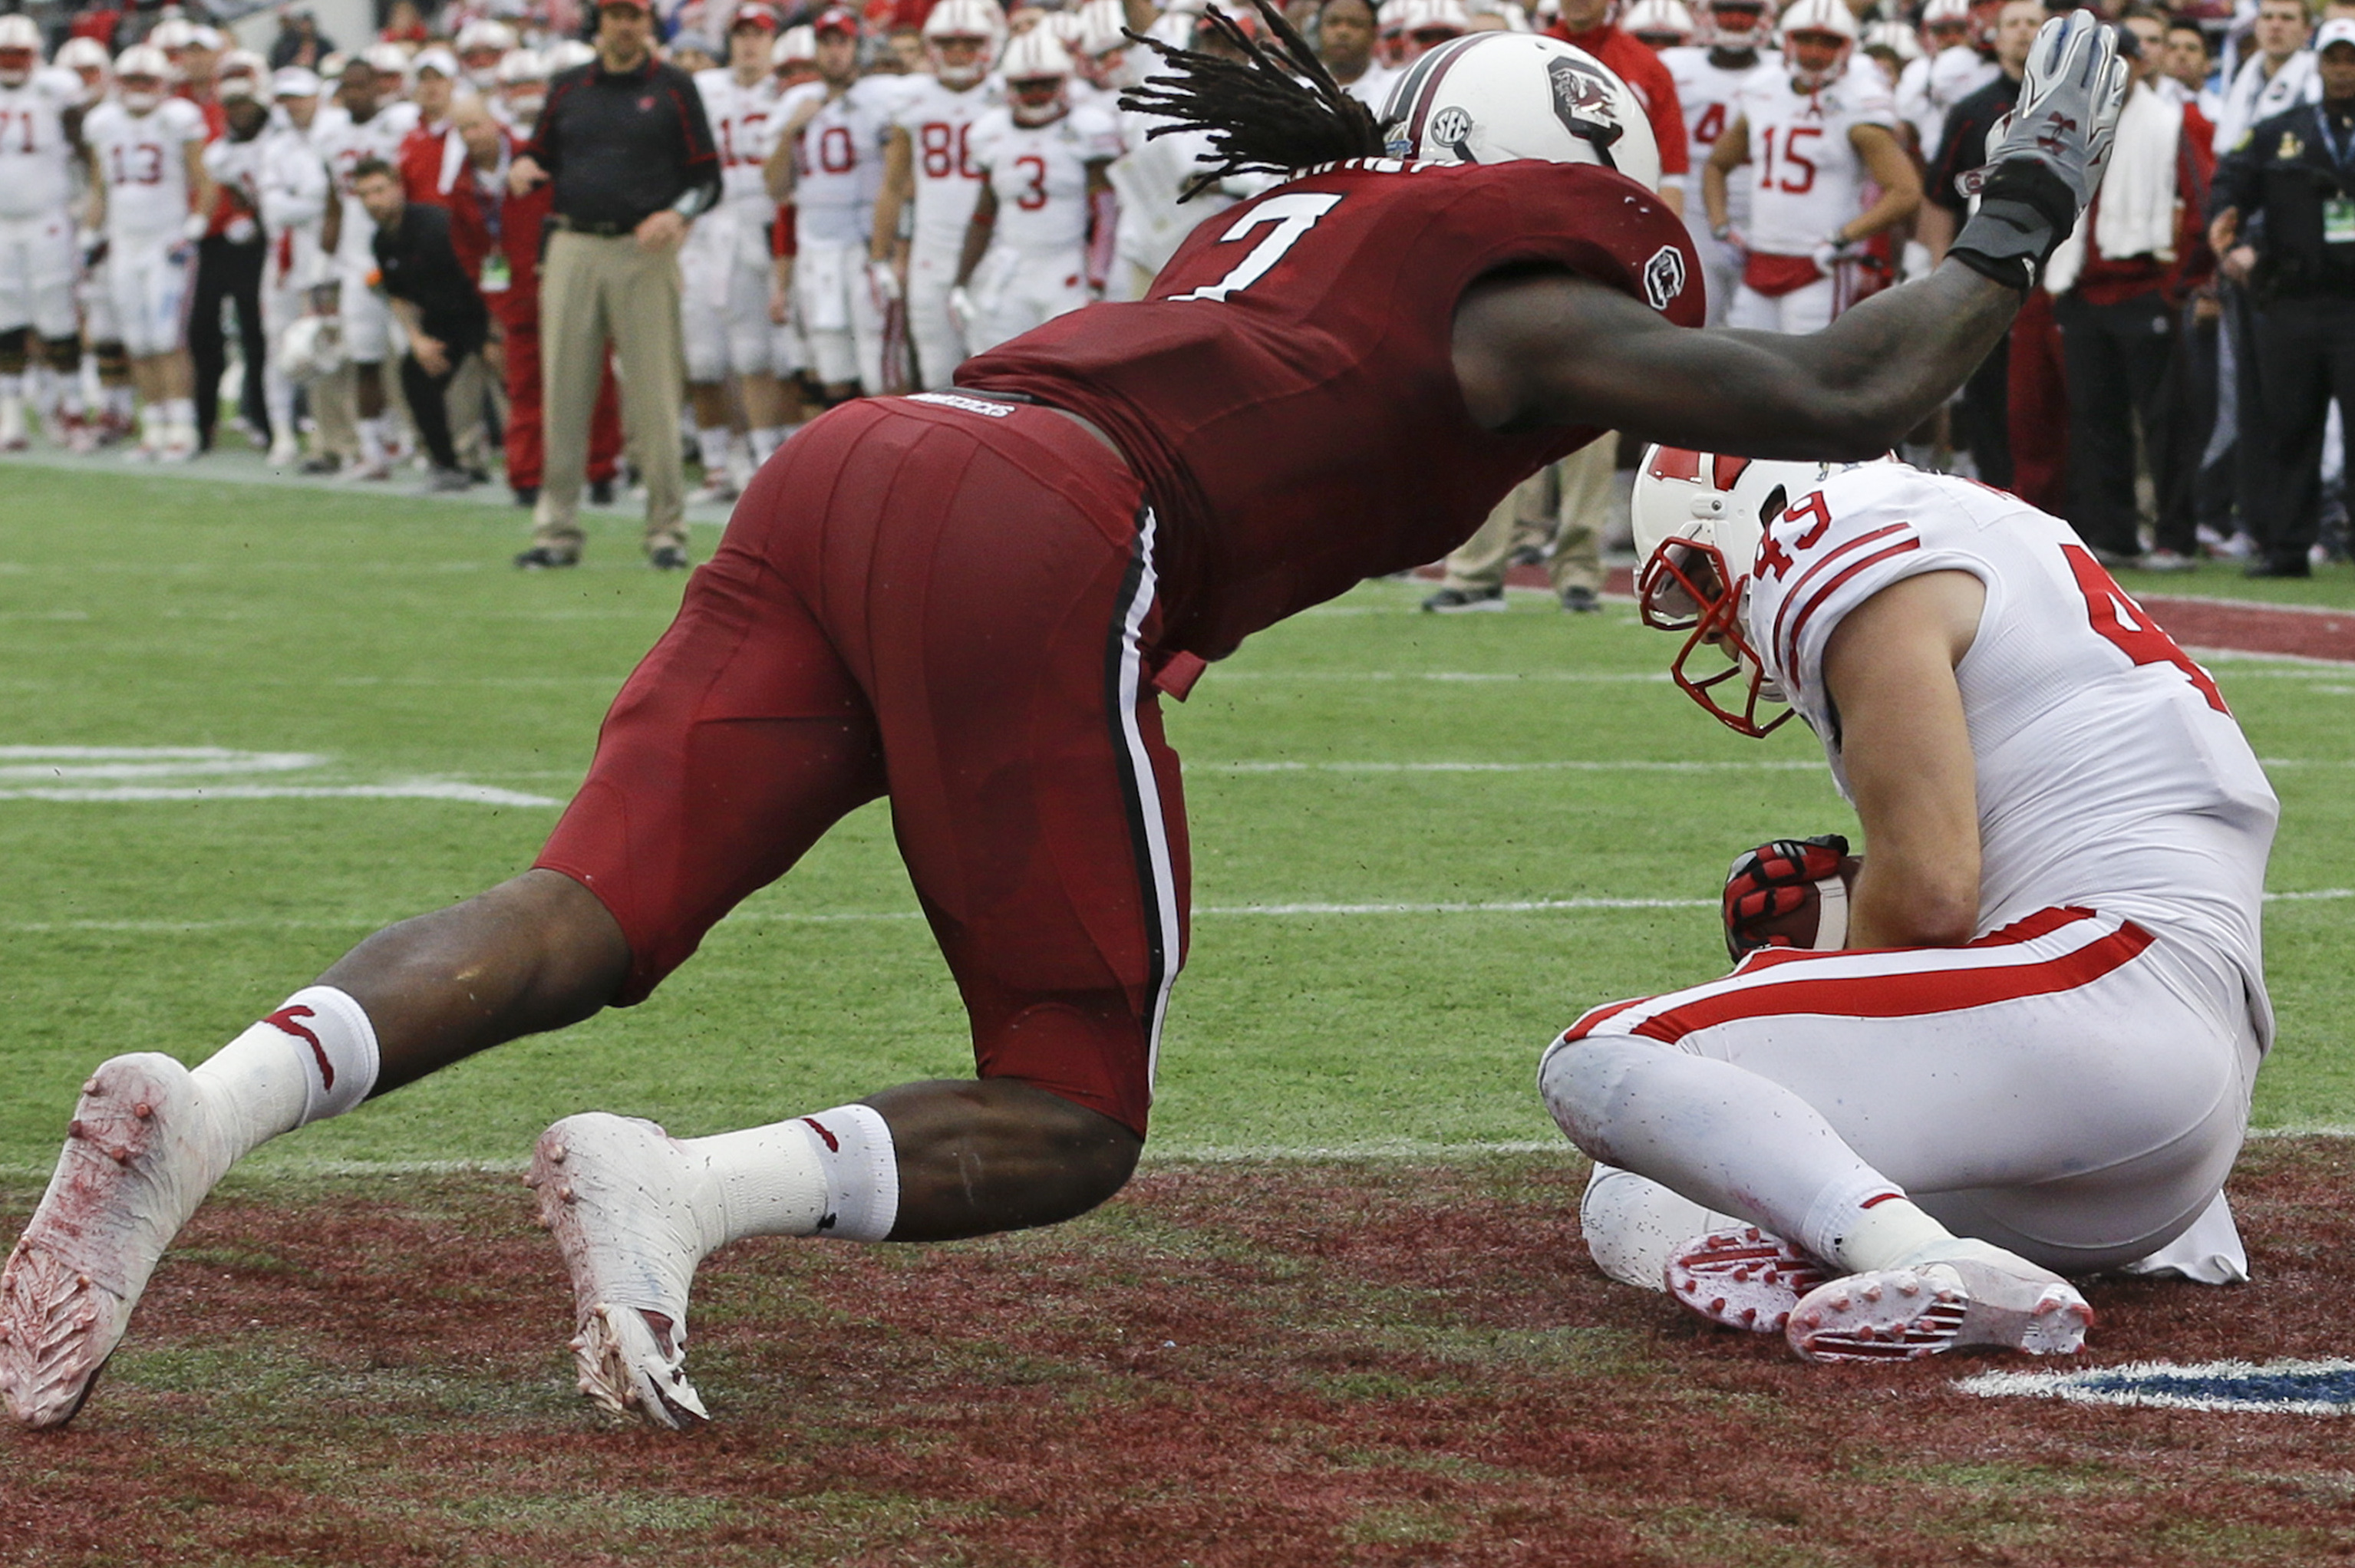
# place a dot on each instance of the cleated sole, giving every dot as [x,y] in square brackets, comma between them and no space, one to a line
[1743,1279]
[1905,1314]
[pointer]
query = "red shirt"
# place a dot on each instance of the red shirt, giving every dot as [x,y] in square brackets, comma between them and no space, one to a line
[1636,64]
[2104,282]
[1288,394]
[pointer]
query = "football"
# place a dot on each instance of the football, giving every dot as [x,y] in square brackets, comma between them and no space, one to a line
[1791,893]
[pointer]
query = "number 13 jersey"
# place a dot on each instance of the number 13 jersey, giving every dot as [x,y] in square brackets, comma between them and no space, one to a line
[2111,775]
[1288,389]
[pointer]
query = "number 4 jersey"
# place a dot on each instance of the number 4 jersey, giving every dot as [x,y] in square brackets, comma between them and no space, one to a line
[1288,389]
[2111,776]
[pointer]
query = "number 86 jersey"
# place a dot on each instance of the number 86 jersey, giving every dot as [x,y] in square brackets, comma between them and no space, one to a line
[1287,391]
[2110,773]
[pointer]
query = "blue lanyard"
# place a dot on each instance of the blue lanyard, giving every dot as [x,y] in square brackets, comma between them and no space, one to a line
[2340,152]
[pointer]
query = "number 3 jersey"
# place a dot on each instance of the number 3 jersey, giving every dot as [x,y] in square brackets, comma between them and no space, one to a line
[1288,389]
[2111,775]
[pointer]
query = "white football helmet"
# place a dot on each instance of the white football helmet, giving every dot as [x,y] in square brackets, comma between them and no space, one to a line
[311,347]
[1895,36]
[1941,14]
[794,46]
[1491,98]
[392,60]
[1698,519]
[978,20]
[87,58]
[1660,24]
[142,74]
[1825,17]
[565,54]
[1037,69]
[1424,25]
[20,49]
[1738,25]
[171,32]
[1102,49]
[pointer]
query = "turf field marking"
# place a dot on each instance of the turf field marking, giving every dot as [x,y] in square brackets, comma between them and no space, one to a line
[416,790]
[97,762]
[1572,677]
[112,774]
[1613,765]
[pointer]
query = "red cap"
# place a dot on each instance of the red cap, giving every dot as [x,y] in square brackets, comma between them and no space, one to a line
[835,19]
[755,14]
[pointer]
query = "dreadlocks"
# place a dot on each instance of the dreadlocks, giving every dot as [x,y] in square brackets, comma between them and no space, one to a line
[1261,116]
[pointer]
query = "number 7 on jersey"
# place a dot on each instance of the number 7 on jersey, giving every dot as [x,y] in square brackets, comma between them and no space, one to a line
[1293,217]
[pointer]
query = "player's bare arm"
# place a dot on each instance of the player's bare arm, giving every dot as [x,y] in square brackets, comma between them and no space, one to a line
[1730,151]
[1889,668]
[899,187]
[1892,168]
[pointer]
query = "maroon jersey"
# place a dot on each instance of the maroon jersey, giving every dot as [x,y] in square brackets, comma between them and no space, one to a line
[1288,392]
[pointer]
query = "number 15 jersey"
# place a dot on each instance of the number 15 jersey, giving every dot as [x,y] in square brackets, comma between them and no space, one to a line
[2111,775]
[1288,389]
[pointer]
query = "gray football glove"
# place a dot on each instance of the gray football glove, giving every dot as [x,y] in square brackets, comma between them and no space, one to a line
[2045,158]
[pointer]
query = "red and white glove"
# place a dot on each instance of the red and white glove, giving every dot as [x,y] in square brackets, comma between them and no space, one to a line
[1791,893]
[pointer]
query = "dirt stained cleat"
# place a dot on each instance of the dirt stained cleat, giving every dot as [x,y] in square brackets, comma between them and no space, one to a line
[139,1157]
[1988,1298]
[1742,1277]
[618,1194]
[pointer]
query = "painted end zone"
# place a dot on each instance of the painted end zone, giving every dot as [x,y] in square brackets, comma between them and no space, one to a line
[1247,1364]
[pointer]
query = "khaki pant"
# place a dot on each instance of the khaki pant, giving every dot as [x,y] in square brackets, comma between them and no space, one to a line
[593,289]
[1567,503]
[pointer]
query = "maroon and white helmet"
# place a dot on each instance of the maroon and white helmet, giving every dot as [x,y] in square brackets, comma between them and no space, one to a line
[1738,25]
[1491,98]
[143,75]
[1657,24]
[20,49]
[1810,22]
[1698,518]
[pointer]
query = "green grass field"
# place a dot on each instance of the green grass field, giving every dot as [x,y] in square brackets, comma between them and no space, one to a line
[1348,772]
[1344,1316]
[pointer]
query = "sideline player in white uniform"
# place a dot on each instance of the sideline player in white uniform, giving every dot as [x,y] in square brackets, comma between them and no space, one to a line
[724,264]
[930,181]
[2025,1046]
[1040,241]
[371,121]
[1949,71]
[39,111]
[296,191]
[148,149]
[1814,134]
[828,161]
[1708,84]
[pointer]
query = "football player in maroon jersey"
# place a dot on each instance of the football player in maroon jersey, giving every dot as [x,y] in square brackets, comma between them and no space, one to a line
[972,601]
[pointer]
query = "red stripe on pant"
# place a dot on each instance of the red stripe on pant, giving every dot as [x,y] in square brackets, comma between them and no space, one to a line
[1904,995]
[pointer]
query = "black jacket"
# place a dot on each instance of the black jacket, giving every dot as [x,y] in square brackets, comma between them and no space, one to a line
[621,148]
[2279,178]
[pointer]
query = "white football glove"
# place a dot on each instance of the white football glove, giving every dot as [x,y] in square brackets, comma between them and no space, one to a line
[883,283]
[1835,250]
[962,310]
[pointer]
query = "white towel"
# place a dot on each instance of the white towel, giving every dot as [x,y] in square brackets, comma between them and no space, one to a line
[2134,212]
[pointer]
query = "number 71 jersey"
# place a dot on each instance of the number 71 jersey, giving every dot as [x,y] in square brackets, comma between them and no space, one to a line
[2110,773]
[1288,389]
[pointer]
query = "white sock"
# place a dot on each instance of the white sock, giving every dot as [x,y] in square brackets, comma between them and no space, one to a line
[151,424]
[713,444]
[181,416]
[765,442]
[313,1058]
[831,1174]
[373,435]
[1883,1229]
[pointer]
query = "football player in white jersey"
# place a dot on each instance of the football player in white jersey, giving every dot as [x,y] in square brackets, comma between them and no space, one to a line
[1659,25]
[724,263]
[523,91]
[930,181]
[148,149]
[2022,1042]
[1814,134]
[39,113]
[1041,242]
[481,46]
[828,162]
[1709,80]
[1950,71]
[368,121]
[296,191]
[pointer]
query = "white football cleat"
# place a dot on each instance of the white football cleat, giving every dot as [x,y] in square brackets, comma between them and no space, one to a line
[619,1194]
[1742,1277]
[140,1156]
[1974,1295]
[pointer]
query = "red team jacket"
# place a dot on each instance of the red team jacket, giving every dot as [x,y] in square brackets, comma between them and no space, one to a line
[1287,390]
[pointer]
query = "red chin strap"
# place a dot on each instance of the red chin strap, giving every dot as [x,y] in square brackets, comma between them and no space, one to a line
[1713,629]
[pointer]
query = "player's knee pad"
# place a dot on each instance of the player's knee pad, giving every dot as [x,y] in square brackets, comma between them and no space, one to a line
[1583,1082]
[12,344]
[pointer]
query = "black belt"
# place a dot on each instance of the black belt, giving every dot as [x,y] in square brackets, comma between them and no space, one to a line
[594,230]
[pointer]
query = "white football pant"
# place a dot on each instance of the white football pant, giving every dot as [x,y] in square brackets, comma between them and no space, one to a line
[37,264]
[840,321]
[1015,290]
[931,330]
[724,297]
[149,282]
[1806,309]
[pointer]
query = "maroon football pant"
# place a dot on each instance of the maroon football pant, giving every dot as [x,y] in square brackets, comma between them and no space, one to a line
[948,606]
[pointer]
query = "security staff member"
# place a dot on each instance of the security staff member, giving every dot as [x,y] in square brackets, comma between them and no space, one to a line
[626,140]
[2283,223]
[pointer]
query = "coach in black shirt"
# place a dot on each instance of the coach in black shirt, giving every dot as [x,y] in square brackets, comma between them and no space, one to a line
[439,306]
[626,140]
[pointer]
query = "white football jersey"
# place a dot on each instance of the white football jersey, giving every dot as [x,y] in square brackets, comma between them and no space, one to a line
[344,142]
[741,128]
[1927,89]
[36,178]
[140,158]
[2111,776]
[296,190]
[1709,94]
[838,161]
[1373,88]
[938,122]
[1041,174]
[1806,178]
